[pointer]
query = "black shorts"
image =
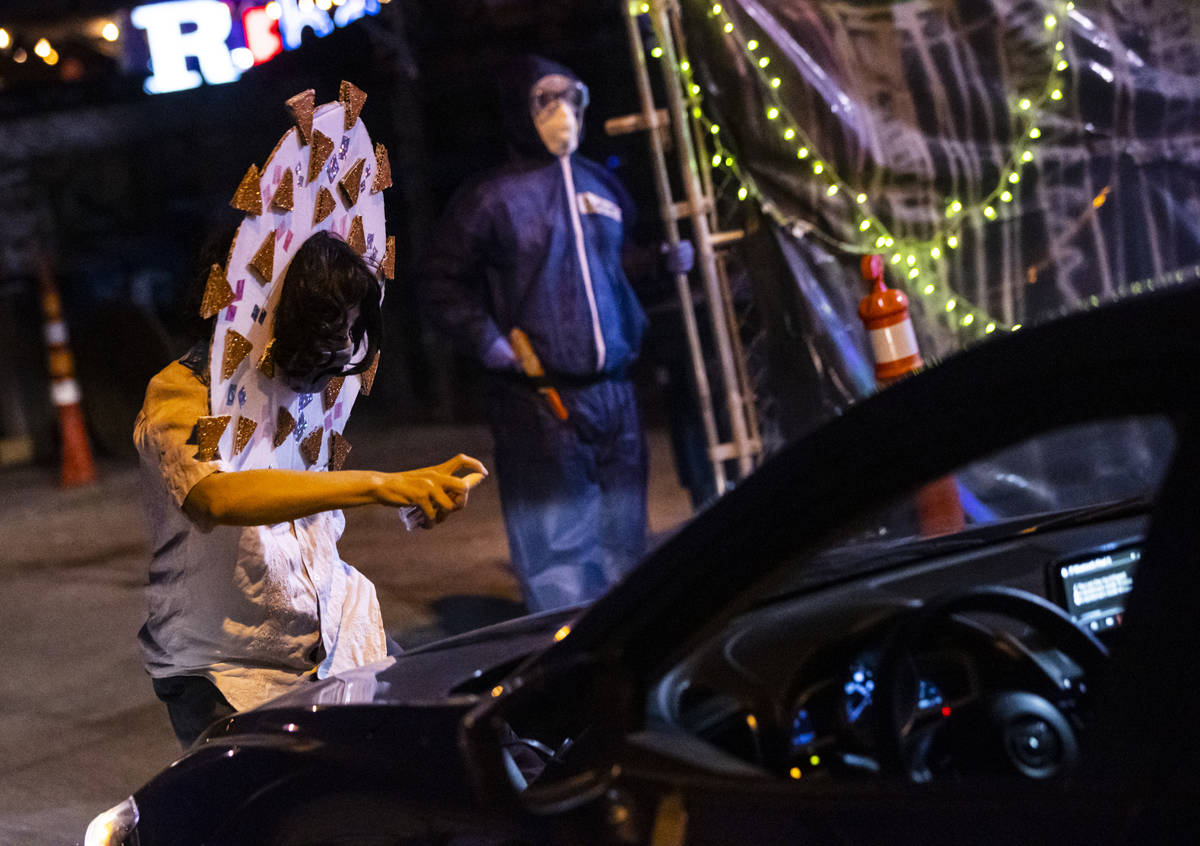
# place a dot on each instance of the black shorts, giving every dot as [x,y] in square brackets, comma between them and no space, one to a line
[193,704]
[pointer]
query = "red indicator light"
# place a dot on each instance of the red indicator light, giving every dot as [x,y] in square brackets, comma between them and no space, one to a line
[945,710]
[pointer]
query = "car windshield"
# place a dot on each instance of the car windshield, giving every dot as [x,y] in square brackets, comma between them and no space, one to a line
[1076,467]
[1068,475]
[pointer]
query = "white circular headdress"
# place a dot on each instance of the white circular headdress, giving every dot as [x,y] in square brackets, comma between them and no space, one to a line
[324,174]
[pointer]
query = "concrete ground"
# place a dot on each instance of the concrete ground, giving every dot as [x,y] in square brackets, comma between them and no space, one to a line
[80,727]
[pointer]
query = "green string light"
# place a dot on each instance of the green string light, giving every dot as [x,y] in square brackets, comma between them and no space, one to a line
[957,214]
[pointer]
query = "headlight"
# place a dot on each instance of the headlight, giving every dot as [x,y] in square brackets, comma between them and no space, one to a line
[113,826]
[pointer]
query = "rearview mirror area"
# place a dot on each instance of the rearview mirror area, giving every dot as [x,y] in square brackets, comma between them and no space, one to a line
[547,741]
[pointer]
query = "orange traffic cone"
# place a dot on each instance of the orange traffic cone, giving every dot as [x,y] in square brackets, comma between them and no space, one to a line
[884,313]
[77,465]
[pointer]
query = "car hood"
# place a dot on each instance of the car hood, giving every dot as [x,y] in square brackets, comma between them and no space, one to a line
[462,666]
[372,719]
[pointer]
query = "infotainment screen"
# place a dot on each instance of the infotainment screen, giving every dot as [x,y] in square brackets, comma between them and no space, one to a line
[1093,589]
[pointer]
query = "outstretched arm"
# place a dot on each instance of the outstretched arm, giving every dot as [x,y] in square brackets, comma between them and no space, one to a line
[264,497]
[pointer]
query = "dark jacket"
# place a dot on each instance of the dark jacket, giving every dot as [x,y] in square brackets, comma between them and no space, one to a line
[507,253]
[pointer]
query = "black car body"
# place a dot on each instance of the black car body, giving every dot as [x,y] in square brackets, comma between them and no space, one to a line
[767,675]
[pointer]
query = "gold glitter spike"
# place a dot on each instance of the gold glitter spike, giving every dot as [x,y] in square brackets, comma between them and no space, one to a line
[284,424]
[357,239]
[332,388]
[324,206]
[310,447]
[388,265]
[264,260]
[352,97]
[283,201]
[236,350]
[383,170]
[208,433]
[248,196]
[245,428]
[322,146]
[352,182]
[266,363]
[217,293]
[300,106]
[339,448]
[367,378]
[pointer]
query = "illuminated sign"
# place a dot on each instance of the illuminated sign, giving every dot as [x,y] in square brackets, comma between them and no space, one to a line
[193,42]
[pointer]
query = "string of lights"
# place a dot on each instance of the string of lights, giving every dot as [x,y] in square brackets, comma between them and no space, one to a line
[220,39]
[15,46]
[920,262]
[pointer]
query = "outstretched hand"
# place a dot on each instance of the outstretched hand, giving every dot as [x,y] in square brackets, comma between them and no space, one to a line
[438,490]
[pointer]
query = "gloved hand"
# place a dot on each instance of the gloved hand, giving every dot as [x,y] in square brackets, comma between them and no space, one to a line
[499,356]
[679,259]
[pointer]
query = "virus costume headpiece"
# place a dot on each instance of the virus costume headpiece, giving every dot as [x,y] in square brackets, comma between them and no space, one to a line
[324,174]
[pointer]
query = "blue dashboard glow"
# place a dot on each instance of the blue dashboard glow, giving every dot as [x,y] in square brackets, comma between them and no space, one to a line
[928,696]
[803,732]
[859,691]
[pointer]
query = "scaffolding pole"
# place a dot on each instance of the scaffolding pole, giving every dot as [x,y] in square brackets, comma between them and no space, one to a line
[697,208]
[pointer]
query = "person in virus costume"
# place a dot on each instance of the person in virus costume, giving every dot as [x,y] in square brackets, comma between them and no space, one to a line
[526,275]
[240,441]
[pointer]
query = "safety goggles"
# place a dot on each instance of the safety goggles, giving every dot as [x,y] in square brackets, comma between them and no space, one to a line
[550,90]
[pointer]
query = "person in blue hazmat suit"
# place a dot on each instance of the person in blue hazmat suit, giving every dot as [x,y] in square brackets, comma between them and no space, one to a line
[536,245]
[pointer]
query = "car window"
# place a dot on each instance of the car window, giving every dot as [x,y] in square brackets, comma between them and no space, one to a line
[1075,467]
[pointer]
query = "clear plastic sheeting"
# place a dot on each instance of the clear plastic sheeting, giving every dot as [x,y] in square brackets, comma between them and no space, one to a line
[919,105]
[1012,160]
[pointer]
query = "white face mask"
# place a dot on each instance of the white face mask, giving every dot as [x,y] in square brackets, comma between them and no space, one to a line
[556,103]
[558,127]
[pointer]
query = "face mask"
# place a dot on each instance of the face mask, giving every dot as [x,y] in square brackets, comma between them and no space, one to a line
[335,364]
[556,103]
[311,383]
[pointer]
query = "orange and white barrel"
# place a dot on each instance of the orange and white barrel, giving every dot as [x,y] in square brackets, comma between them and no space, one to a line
[884,313]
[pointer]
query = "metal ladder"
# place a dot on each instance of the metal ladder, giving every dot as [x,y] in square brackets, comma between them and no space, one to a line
[699,209]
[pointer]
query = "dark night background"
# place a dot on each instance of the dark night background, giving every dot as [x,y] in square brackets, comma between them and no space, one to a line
[120,187]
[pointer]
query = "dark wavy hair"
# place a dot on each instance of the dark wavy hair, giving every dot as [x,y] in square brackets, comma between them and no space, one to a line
[212,249]
[324,281]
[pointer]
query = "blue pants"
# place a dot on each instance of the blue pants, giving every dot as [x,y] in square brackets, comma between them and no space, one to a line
[573,492]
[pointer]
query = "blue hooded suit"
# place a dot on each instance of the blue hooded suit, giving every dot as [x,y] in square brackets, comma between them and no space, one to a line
[537,245]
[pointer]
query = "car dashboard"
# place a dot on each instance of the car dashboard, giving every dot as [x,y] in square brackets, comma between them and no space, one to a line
[793,684]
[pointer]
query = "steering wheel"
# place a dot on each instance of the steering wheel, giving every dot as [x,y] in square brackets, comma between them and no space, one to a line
[1017,732]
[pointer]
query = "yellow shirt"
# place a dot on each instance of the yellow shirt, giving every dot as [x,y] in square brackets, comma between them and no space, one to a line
[256,609]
